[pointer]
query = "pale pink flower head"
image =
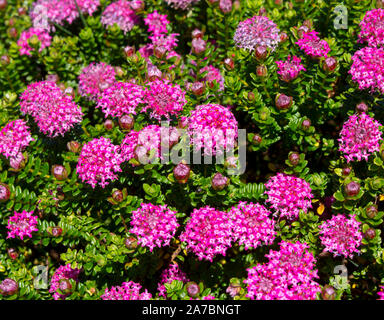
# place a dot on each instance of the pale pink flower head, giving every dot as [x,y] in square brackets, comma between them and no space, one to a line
[170,274]
[120,13]
[14,138]
[213,74]
[341,235]
[288,195]
[41,34]
[120,99]
[312,45]
[360,137]
[181,4]
[157,23]
[95,78]
[99,161]
[257,31]
[208,233]
[62,273]
[154,225]
[21,225]
[127,291]
[54,112]
[372,28]
[290,69]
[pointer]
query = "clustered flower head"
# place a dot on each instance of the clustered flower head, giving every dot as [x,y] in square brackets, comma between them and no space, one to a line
[341,235]
[14,138]
[157,23]
[22,224]
[99,161]
[257,31]
[54,112]
[367,69]
[290,69]
[372,28]
[40,34]
[288,275]
[208,233]
[168,41]
[127,291]
[360,137]
[153,225]
[181,4]
[170,274]
[164,99]
[212,127]
[96,78]
[120,99]
[288,195]
[213,74]
[252,226]
[61,274]
[312,45]
[120,13]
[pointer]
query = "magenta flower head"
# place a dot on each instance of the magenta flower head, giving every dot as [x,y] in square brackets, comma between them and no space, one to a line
[96,78]
[14,138]
[35,35]
[212,127]
[99,161]
[8,287]
[157,23]
[121,99]
[21,225]
[208,233]
[288,195]
[54,112]
[341,236]
[312,45]
[153,225]
[252,225]
[372,28]
[213,74]
[257,31]
[60,285]
[290,69]
[127,291]
[181,4]
[170,274]
[164,99]
[360,137]
[381,293]
[120,13]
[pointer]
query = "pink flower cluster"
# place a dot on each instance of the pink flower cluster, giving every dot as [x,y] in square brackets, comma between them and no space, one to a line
[181,4]
[288,195]
[312,45]
[372,28]
[153,225]
[257,31]
[213,74]
[381,293]
[170,274]
[41,34]
[367,69]
[127,291]
[157,23]
[212,127]
[14,138]
[54,111]
[290,69]
[120,13]
[208,233]
[252,225]
[164,99]
[288,275]
[62,273]
[22,224]
[341,235]
[360,137]
[99,161]
[96,78]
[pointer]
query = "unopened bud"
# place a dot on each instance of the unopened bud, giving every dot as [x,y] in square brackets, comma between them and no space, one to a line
[193,289]
[198,88]
[198,46]
[229,64]
[5,192]
[352,189]
[329,64]
[219,182]
[73,146]
[261,53]
[126,122]
[283,102]
[8,287]
[294,158]
[181,173]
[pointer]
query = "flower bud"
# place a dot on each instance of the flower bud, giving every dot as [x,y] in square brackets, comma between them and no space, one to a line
[329,64]
[65,286]
[352,189]
[346,171]
[198,46]
[225,6]
[118,196]
[283,37]
[4,60]
[131,243]
[262,11]
[283,102]
[301,31]
[70,91]
[261,71]
[3,4]
[55,231]
[261,53]
[229,64]
[236,5]
[257,139]
[371,211]
[13,32]
[108,124]
[370,234]
[21,11]
[126,122]
[328,293]
[181,173]
[294,158]
[154,73]
[306,124]
[137,5]
[129,51]
[159,52]
[8,287]
[251,96]
[59,172]
[119,71]
[197,33]
[5,193]
[193,289]
[198,88]
[18,162]
[12,253]
[361,107]
[53,78]
[219,182]
[73,146]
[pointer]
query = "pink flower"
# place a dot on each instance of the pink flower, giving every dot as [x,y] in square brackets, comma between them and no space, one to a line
[53,111]
[120,13]
[22,224]
[288,195]
[168,41]
[153,225]
[372,28]
[42,36]
[96,78]
[312,45]
[61,274]
[341,236]
[257,31]
[99,161]
[381,293]
[170,274]
[157,23]
[290,69]
[181,4]
[208,233]
[127,291]
[213,74]
[360,137]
